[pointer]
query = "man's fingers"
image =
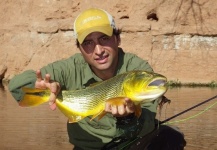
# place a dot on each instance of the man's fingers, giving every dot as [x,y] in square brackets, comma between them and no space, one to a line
[38,75]
[54,87]
[114,110]
[47,78]
[130,107]
[44,84]
[121,110]
[52,98]
[108,107]
[118,111]
[53,106]
[52,101]
[40,82]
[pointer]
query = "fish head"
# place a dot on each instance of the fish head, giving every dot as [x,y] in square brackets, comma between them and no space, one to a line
[143,86]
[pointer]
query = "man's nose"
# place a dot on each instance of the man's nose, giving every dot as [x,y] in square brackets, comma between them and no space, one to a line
[99,49]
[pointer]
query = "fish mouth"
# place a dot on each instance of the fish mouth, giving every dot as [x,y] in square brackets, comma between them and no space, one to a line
[144,97]
[159,82]
[154,89]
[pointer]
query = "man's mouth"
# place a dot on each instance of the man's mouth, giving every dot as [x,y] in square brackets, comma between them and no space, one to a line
[102,59]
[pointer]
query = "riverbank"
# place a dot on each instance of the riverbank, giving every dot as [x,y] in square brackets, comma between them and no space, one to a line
[180,43]
[172,84]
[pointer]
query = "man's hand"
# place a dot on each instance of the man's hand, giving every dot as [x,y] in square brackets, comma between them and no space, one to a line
[121,110]
[47,84]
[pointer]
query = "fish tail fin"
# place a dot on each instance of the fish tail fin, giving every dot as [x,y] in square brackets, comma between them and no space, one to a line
[33,97]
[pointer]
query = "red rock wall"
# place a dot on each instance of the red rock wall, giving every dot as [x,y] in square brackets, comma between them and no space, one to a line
[178,38]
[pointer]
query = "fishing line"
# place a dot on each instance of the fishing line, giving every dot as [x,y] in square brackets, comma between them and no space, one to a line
[196,115]
[166,120]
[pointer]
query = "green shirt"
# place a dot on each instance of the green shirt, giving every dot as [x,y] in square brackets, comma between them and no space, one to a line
[73,74]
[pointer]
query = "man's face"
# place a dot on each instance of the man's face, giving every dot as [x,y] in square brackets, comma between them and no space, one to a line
[100,51]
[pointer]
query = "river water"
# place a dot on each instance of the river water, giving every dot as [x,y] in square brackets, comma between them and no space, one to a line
[39,128]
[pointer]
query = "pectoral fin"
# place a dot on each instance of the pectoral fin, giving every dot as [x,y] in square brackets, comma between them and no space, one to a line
[116,101]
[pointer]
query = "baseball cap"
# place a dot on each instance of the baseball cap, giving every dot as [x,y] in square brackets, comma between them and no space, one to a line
[93,20]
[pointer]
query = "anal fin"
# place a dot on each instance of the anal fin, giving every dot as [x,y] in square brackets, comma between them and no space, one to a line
[74,119]
[101,114]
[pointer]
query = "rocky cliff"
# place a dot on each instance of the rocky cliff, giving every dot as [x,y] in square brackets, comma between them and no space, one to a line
[178,38]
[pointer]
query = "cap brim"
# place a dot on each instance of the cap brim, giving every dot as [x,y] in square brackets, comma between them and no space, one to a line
[108,30]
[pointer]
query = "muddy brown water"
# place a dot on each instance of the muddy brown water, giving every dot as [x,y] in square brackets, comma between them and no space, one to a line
[39,128]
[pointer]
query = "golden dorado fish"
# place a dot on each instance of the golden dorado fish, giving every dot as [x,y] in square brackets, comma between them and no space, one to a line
[139,86]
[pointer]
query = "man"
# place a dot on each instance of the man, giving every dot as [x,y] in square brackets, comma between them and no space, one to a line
[101,58]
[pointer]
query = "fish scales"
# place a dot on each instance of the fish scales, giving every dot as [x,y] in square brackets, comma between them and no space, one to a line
[93,97]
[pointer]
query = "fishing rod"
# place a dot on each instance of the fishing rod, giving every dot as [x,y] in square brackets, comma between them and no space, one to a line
[166,120]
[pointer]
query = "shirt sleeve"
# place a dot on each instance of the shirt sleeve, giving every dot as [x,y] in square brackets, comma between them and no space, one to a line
[27,78]
[60,71]
[141,64]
